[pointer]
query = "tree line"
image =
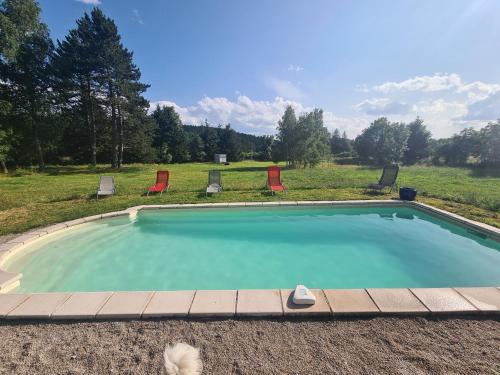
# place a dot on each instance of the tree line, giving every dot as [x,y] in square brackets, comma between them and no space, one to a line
[385,142]
[81,100]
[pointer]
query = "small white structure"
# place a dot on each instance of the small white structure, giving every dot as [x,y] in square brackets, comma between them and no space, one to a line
[303,296]
[220,158]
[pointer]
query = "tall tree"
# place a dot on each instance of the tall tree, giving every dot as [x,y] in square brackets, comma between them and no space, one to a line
[417,143]
[230,144]
[24,71]
[489,151]
[170,135]
[211,141]
[99,81]
[196,148]
[286,147]
[313,138]
[382,142]
[18,20]
[79,70]
[340,143]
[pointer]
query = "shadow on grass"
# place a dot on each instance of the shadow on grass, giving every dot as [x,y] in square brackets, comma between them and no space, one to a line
[71,170]
[244,169]
[484,172]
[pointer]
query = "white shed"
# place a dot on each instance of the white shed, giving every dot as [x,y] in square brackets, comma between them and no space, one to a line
[220,158]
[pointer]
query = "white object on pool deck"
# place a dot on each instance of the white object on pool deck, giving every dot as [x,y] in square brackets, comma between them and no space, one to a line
[303,296]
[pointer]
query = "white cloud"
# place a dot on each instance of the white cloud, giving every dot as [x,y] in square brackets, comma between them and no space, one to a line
[446,102]
[382,107]
[245,114]
[92,2]
[138,16]
[285,89]
[295,68]
[438,106]
[487,109]
[444,112]
[254,116]
[437,82]
[478,90]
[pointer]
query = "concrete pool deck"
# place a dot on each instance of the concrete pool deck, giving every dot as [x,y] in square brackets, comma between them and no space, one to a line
[230,303]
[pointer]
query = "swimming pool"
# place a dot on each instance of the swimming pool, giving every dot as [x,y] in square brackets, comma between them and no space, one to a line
[260,248]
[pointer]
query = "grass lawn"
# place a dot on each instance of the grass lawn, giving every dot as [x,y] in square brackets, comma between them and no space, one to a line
[29,199]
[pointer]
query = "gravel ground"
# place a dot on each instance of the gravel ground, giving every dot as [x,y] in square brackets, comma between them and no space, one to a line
[341,346]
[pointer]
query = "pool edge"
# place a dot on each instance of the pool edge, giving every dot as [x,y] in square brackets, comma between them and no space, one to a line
[266,303]
[365,301]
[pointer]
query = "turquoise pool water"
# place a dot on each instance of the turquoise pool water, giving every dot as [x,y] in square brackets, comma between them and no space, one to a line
[321,247]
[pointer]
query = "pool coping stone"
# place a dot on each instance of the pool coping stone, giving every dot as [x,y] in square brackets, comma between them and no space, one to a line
[260,302]
[320,308]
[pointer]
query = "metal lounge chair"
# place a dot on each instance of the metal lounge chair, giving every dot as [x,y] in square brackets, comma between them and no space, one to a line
[106,186]
[274,182]
[162,183]
[388,179]
[214,182]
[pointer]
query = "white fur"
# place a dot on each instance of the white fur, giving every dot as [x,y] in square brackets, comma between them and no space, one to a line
[182,359]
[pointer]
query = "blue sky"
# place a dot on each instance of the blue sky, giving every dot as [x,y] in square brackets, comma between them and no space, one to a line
[244,61]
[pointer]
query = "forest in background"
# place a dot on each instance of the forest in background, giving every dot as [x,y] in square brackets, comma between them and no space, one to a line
[81,101]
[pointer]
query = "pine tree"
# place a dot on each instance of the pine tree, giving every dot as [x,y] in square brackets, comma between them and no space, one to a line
[417,143]
[287,146]
[210,140]
[230,144]
[170,135]
[98,79]
[196,148]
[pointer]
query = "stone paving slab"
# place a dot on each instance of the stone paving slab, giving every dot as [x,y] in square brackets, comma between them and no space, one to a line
[24,239]
[272,203]
[9,246]
[485,299]
[92,218]
[81,305]
[213,303]
[7,278]
[113,214]
[38,306]
[259,303]
[169,304]
[321,306]
[55,228]
[128,305]
[399,301]
[71,223]
[350,301]
[9,302]
[288,203]
[443,300]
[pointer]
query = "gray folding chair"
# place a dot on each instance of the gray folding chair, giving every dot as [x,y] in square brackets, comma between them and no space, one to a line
[214,182]
[388,178]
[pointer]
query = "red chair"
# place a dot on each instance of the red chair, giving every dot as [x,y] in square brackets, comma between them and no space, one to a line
[274,179]
[161,183]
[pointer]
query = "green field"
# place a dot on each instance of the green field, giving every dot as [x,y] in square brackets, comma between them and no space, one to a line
[30,199]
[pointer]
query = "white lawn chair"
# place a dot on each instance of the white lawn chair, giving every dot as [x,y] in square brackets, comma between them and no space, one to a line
[106,186]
